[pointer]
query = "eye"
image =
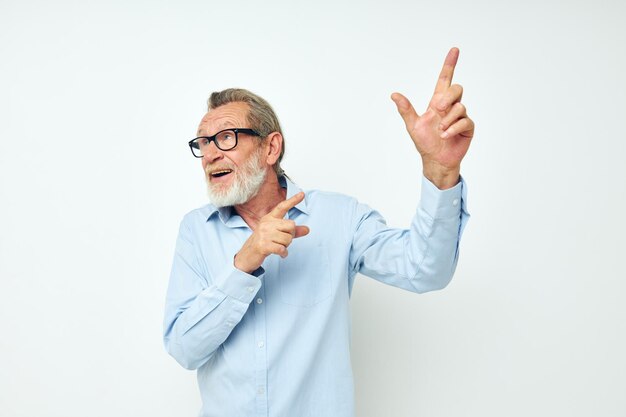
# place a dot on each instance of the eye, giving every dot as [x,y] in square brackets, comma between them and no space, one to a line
[226,138]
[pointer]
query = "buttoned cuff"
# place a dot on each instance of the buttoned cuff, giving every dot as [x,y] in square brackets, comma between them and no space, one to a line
[240,285]
[441,204]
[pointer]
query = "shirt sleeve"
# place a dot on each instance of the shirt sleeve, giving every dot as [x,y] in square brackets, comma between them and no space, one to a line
[422,258]
[200,314]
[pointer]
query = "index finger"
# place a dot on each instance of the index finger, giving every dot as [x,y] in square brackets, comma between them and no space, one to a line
[445,76]
[283,207]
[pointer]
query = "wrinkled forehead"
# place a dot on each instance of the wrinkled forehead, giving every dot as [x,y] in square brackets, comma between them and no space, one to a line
[229,115]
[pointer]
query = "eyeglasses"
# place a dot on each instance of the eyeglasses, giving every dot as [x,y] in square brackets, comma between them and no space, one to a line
[225,140]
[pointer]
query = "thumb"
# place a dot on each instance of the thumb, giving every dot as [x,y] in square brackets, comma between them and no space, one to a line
[405,108]
[302,231]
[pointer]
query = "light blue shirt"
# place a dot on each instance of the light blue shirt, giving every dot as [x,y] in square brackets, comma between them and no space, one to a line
[276,343]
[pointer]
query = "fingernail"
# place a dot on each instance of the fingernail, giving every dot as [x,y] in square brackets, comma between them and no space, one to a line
[444,135]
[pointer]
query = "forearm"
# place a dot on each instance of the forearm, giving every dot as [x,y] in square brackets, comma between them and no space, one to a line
[442,215]
[194,330]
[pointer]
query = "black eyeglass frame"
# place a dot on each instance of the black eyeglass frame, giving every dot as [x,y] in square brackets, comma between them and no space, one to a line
[213,139]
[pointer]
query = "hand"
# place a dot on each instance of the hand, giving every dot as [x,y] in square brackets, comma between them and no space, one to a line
[272,234]
[442,134]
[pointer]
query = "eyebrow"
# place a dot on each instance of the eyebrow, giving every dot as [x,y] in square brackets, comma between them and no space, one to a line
[222,126]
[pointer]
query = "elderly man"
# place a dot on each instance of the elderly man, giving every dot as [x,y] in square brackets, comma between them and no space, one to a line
[258,300]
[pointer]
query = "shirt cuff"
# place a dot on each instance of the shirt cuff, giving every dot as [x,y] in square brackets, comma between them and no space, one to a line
[441,204]
[240,285]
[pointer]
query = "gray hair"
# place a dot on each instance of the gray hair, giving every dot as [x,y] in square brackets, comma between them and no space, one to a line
[261,116]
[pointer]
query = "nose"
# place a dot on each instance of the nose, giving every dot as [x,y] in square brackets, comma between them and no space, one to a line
[212,153]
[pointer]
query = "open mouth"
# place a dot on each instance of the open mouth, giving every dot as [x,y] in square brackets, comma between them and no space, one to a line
[221,173]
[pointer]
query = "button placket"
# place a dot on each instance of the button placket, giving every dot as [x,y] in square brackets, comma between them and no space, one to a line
[260,329]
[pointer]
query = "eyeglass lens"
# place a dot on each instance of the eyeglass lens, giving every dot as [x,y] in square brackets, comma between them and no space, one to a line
[224,140]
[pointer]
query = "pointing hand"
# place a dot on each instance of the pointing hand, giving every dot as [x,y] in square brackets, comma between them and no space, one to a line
[272,235]
[442,134]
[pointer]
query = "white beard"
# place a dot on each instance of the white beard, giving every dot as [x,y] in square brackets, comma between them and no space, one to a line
[248,180]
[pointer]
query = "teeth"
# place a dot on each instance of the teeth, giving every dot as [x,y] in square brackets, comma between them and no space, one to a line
[221,172]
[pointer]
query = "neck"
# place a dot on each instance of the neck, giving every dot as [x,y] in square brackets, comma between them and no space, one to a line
[269,195]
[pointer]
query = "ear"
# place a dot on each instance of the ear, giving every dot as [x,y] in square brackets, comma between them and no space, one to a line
[274,144]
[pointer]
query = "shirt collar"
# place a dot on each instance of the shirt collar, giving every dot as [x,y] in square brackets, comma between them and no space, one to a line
[229,217]
[293,189]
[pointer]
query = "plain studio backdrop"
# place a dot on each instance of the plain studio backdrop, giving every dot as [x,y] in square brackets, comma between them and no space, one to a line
[99,100]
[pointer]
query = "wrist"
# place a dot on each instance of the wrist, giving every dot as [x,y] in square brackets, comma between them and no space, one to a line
[240,264]
[442,177]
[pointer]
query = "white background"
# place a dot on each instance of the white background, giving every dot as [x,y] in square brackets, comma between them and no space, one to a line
[98,100]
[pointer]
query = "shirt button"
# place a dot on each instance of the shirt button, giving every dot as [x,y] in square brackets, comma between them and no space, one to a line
[250,289]
[259,300]
[261,344]
[455,202]
[261,391]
